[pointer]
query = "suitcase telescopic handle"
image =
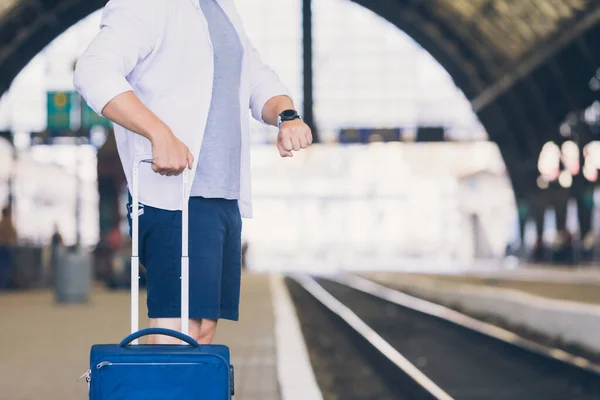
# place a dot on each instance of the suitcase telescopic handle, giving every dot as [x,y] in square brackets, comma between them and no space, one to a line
[135,261]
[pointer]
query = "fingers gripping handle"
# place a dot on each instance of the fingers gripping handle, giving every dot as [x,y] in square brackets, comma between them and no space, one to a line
[135,263]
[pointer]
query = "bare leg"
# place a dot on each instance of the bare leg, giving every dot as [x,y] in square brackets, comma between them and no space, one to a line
[203,330]
[166,323]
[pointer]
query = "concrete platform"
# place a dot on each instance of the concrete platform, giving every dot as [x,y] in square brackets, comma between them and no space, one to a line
[45,347]
[553,282]
[559,303]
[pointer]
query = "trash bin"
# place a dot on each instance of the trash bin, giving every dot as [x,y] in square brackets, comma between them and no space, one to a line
[121,272]
[73,278]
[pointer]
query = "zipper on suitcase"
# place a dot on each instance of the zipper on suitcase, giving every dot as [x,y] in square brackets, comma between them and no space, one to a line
[86,375]
[88,378]
[108,363]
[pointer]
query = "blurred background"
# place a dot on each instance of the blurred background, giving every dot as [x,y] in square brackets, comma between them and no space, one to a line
[448,134]
[404,167]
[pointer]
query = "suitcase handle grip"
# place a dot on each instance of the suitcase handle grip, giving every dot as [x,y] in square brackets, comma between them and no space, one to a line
[159,331]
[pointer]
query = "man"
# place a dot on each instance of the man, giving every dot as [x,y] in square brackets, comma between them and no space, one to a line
[178,78]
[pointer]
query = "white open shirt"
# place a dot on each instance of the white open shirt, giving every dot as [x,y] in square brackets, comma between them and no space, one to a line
[161,49]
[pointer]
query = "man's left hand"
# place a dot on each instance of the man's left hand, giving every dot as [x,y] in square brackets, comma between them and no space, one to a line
[293,136]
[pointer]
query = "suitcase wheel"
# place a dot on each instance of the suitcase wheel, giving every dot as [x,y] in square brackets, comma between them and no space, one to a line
[232,380]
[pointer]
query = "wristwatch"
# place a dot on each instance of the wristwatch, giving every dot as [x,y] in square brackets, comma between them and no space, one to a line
[287,115]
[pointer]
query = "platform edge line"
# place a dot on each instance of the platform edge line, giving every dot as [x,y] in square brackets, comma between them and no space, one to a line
[295,374]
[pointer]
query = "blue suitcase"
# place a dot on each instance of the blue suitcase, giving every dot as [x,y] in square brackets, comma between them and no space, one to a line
[129,371]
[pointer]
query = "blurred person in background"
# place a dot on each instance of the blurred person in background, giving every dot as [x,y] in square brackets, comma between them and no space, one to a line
[56,243]
[180,78]
[244,254]
[8,238]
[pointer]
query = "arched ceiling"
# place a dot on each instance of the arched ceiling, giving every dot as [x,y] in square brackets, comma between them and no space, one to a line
[524,64]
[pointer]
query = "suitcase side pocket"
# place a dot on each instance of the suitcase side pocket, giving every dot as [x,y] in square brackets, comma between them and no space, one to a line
[160,380]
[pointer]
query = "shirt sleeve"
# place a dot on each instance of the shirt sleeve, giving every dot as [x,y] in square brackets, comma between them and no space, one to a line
[128,33]
[264,83]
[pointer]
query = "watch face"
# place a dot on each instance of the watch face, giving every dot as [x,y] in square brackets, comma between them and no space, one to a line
[288,114]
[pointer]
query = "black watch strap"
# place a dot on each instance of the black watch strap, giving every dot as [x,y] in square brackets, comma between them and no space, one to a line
[287,115]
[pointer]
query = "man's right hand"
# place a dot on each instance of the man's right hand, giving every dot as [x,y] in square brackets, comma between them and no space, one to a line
[170,155]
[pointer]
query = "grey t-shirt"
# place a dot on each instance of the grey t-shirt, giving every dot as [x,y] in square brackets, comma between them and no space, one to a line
[218,171]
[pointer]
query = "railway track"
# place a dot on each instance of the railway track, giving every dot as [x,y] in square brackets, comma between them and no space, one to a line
[364,335]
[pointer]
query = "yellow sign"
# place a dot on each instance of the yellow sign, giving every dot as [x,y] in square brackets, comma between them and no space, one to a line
[60,100]
[59,111]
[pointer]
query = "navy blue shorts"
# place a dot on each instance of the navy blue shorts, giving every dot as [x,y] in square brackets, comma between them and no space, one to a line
[215,257]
